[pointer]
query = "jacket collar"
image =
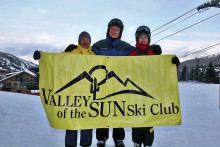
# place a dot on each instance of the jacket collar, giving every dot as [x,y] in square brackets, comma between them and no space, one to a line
[113,41]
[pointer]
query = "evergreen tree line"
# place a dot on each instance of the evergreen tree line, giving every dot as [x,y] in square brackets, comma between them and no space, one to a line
[204,74]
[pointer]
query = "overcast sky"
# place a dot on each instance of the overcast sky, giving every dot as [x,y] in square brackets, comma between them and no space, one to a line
[51,25]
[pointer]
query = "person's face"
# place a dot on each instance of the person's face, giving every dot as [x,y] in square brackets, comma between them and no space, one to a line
[143,39]
[85,42]
[114,32]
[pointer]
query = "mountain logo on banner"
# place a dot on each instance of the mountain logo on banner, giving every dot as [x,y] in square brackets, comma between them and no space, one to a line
[94,87]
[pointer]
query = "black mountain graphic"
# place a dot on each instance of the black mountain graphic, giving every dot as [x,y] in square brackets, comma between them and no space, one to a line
[95,86]
[82,76]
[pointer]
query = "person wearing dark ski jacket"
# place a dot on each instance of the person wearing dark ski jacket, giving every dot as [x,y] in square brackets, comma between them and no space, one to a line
[112,46]
[145,135]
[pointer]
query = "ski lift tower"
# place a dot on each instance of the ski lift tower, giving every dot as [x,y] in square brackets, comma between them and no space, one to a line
[212,3]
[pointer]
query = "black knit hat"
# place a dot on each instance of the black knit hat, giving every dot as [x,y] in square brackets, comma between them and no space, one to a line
[84,34]
[115,22]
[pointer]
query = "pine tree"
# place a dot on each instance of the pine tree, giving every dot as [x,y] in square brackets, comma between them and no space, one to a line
[201,76]
[210,74]
[196,73]
[179,74]
[183,74]
[191,76]
[217,74]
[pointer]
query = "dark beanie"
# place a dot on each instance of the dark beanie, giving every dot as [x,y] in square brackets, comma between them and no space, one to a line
[84,34]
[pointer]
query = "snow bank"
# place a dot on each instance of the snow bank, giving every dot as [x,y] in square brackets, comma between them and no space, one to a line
[23,121]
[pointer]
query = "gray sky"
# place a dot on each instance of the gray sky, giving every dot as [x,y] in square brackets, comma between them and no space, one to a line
[51,25]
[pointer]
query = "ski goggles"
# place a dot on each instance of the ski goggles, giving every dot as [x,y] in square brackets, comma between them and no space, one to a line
[143,28]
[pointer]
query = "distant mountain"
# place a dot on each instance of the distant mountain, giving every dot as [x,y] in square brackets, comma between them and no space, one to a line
[12,63]
[203,61]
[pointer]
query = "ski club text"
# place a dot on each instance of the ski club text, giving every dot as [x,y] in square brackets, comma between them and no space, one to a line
[103,108]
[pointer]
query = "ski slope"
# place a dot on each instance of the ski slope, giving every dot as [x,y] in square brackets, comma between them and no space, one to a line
[23,122]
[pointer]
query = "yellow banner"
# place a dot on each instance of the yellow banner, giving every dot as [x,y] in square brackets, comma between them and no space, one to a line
[86,91]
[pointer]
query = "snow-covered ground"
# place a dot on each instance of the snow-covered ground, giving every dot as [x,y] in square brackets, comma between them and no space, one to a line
[23,122]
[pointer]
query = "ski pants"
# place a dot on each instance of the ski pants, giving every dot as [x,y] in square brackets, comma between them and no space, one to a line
[143,135]
[85,137]
[103,134]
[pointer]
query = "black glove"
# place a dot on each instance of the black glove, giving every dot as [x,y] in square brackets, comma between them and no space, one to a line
[36,55]
[156,49]
[175,60]
[70,48]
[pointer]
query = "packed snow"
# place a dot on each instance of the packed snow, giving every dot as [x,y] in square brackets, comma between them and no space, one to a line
[23,122]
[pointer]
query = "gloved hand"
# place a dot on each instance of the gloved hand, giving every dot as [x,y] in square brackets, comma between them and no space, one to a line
[36,55]
[175,60]
[156,49]
[70,48]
